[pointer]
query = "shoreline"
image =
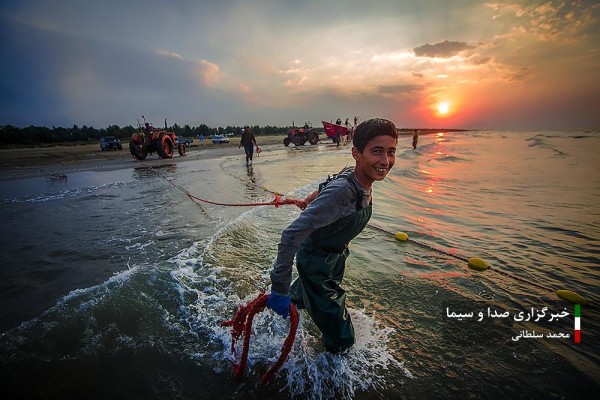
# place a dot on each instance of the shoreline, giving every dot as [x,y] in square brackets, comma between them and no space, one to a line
[19,163]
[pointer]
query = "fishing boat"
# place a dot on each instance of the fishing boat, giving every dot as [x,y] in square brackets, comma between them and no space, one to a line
[331,130]
[336,131]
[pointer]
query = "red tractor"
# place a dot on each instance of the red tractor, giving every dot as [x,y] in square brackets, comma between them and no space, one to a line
[150,140]
[299,136]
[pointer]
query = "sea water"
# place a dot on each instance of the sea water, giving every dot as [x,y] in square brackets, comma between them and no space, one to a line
[114,284]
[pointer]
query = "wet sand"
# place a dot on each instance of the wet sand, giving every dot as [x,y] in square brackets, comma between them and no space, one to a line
[16,163]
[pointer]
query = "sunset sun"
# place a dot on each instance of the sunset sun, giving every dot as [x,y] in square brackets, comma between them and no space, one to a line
[443,108]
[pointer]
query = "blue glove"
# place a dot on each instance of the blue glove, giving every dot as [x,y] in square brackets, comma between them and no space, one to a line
[279,303]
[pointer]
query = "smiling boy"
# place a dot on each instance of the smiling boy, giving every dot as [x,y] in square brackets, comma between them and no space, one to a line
[319,237]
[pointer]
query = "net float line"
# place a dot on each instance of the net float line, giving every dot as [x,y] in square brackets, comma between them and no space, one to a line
[480,265]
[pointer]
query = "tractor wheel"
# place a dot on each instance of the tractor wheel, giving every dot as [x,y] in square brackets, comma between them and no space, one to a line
[164,146]
[297,141]
[313,137]
[181,149]
[137,151]
[286,141]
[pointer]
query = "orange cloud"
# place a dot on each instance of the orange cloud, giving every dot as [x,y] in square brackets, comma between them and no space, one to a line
[209,72]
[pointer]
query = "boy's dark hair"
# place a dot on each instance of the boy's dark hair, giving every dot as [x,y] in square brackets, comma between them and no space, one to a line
[371,128]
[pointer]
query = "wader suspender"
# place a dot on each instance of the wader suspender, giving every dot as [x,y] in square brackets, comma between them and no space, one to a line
[359,193]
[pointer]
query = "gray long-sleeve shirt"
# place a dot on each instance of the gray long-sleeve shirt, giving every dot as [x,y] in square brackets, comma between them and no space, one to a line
[335,201]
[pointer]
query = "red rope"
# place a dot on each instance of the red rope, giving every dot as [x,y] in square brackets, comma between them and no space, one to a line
[242,325]
[277,201]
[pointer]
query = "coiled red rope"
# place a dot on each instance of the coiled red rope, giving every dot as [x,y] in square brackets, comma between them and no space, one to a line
[242,325]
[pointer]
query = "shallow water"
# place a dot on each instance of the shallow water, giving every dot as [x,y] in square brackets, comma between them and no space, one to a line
[114,284]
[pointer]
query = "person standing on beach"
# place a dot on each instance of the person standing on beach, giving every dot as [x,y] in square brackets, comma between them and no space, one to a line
[248,140]
[415,139]
[338,133]
[336,213]
[346,138]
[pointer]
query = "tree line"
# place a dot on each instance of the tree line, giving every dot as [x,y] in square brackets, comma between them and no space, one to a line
[36,135]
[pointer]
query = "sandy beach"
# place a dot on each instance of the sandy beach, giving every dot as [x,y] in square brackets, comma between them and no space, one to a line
[27,162]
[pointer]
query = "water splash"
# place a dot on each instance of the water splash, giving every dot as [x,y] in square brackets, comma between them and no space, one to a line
[209,295]
[316,374]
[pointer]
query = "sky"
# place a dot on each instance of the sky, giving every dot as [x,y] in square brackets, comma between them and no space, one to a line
[420,63]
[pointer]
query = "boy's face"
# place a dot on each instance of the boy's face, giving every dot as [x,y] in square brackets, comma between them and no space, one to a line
[376,159]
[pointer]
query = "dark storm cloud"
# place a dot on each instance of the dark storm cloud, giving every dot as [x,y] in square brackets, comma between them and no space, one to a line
[52,76]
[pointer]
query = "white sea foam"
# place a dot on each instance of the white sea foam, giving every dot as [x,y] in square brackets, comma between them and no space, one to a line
[62,194]
[309,371]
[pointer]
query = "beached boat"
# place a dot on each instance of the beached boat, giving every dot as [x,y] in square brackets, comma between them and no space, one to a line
[338,133]
[332,130]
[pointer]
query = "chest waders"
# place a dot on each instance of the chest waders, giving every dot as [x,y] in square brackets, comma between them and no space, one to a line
[321,261]
[249,149]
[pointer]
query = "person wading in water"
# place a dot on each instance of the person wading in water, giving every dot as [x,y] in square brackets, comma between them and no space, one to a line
[336,213]
[248,140]
[415,139]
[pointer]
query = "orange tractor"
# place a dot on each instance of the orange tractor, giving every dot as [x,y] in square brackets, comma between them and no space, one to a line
[150,140]
[299,136]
